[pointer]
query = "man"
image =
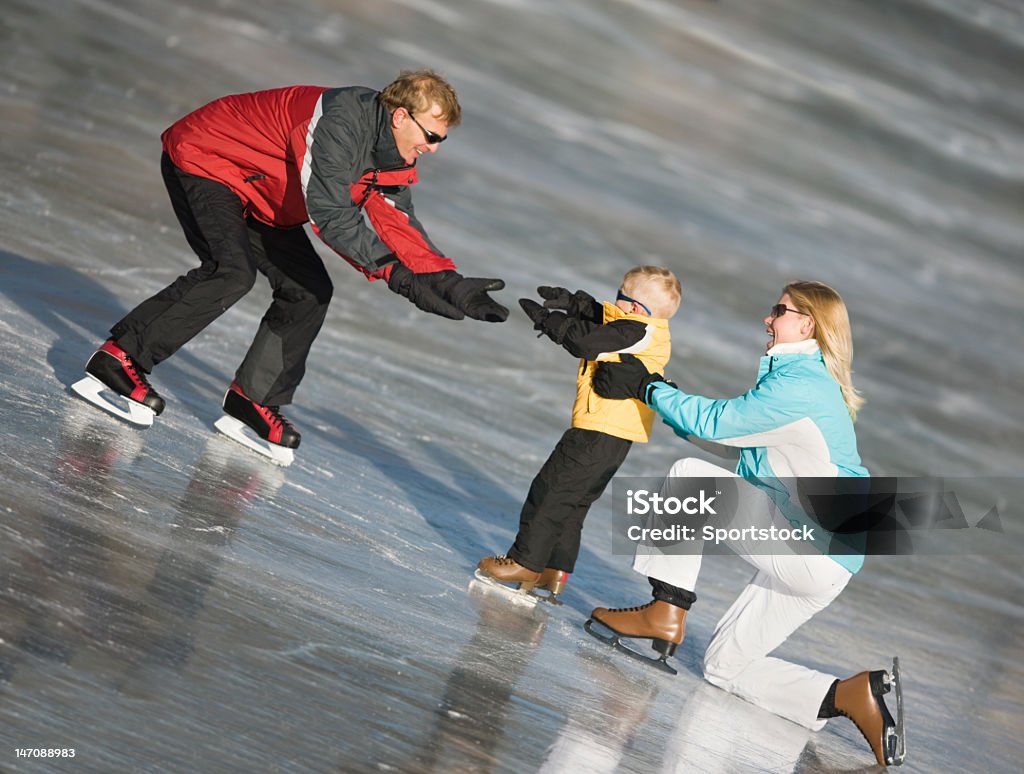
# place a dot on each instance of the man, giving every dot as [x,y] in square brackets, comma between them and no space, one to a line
[244,173]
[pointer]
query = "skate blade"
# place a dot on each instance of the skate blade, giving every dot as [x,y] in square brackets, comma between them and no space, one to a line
[91,389]
[239,432]
[516,596]
[896,739]
[613,639]
[546,596]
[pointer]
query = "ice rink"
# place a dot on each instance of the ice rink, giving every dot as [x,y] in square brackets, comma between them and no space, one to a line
[170,602]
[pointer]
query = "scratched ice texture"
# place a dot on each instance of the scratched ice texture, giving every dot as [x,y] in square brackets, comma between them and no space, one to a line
[171,603]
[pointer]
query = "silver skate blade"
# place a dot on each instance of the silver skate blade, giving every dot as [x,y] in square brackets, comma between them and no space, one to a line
[546,597]
[515,596]
[899,744]
[614,640]
[486,582]
[240,433]
[92,390]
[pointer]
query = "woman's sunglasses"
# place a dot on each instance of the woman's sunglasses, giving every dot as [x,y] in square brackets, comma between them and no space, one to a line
[780,309]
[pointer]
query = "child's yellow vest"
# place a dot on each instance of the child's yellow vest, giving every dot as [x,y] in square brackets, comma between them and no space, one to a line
[629,419]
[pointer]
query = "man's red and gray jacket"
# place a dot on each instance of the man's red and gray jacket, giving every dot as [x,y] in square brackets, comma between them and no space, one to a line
[309,153]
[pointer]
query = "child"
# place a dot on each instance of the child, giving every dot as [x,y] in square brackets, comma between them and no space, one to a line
[591,451]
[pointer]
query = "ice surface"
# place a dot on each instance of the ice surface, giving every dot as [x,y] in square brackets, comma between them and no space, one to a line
[170,602]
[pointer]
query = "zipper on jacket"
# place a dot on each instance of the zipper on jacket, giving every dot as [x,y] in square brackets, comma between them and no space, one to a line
[371,185]
[369,188]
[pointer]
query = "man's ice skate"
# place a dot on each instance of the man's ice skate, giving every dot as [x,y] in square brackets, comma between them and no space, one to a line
[661,623]
[111,369]
[860,699]
[243,417]
[506,574]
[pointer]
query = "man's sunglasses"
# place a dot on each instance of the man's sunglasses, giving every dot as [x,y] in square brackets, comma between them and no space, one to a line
[620,296]
[433,138]
[780,309]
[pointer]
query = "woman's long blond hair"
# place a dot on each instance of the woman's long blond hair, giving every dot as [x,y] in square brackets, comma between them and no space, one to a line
[832,332]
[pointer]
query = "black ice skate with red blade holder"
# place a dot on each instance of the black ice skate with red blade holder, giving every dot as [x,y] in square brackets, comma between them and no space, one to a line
[111,369]
[614,639]
[243,418]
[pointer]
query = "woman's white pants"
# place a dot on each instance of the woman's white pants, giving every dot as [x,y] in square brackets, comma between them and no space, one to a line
[784,593]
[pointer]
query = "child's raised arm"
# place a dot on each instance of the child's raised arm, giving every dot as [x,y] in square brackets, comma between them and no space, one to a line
[585,338]
[579,304]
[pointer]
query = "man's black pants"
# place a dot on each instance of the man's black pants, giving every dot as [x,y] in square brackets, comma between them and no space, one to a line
[232,248]
[574,476]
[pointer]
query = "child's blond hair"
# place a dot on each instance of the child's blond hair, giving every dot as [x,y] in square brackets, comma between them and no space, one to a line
[655,287]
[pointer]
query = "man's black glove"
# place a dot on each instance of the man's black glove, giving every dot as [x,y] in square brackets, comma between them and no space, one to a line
[551,324]
[628,378]
[470,295]
[422,290]
[576,304]
[449,294]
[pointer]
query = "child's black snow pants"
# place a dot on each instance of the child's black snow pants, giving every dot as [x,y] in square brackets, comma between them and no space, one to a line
[574,476]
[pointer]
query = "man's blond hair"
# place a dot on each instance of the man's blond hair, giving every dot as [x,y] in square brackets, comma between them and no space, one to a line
[417,90]
[655,287]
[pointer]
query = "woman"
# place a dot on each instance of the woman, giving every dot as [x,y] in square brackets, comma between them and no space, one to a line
[797,421]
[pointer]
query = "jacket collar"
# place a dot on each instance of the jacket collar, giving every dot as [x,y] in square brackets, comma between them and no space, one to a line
[385,149]
[787,353]
[805,347]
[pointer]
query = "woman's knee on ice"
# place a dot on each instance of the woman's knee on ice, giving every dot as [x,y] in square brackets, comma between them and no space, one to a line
[725,658]
[722,671]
